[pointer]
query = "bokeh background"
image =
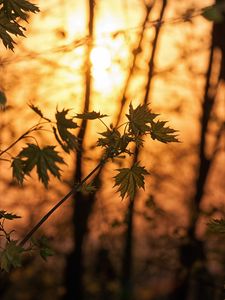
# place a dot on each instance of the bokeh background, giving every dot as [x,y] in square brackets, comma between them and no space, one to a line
[101,55]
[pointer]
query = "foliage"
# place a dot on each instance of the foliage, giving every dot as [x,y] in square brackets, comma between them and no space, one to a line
[129,179]
[9,216]
[44,159]
[215,12]
[11,256]
[42,246]
[162,133]
[114,142]
[11,12]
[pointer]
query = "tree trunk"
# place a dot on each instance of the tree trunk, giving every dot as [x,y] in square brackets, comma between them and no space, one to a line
[126,282]
[82,204]
[197,283]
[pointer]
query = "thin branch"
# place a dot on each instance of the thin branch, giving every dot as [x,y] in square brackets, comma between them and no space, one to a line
[55,207]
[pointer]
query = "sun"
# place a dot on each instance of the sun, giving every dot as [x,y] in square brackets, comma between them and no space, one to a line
[101,58]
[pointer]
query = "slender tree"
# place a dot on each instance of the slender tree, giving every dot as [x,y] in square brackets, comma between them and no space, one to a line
[193,252]
[82,205]
[126,282]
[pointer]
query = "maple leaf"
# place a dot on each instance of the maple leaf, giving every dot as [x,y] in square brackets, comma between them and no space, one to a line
[9,216]
[139,119]
[11,256]
[129,179]
[162,133]
[114,142]
[45,160]
[17,166]
[214,13]
[66,139]
[19,8]
[42,245]
[8,27]
[10,11]
[90,115]
[87,188]
[37,110]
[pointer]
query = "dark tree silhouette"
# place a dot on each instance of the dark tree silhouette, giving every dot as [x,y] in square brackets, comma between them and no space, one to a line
[192,252]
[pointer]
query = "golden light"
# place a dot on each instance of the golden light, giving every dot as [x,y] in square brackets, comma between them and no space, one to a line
[100,58]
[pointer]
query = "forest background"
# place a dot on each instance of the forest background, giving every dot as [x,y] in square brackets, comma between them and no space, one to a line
[101,56]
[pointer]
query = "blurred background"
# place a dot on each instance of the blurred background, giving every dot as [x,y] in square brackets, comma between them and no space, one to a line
[101,55]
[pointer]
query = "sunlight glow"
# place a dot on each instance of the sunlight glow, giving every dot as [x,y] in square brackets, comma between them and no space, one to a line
[101,58]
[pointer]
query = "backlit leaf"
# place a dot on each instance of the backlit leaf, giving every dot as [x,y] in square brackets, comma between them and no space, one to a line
[90,115]
[18,170]
[129,179]
[9,216]
[113,142]
[88,188]
[43,246]
[139,119]
[66,139]
[19,8]
[38,111]
[10,12]
[45,159]
[11,256]
[214,13]
[162,133]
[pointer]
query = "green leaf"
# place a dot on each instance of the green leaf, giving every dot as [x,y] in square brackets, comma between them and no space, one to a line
[139,118]
[11,256]
[45,159]
[129,179]
[42,245]
[18,170]
[214,13]
[9,216]
[66,139]
[90,115]
[162,133]
[216,226]
[88,188]
[3,100]
[113,142]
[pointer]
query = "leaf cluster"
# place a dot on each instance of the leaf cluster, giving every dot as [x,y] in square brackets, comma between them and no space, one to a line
[11,256]
[115,142]
[11,11]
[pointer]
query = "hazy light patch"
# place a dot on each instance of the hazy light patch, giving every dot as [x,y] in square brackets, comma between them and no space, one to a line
[101,58]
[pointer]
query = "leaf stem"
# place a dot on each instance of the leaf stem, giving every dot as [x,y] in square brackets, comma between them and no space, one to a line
[24,135]
[57,205]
